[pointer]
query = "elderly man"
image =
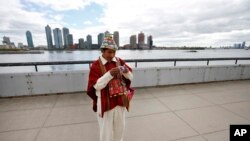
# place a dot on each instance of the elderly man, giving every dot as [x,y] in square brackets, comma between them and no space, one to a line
[109,87]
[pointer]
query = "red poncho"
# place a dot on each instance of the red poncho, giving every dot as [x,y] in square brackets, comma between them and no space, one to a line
[107,103]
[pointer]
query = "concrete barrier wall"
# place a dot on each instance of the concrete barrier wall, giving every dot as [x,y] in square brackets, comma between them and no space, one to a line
[63,82]
[182,75]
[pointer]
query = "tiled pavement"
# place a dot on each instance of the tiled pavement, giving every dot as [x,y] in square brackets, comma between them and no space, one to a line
[193,112]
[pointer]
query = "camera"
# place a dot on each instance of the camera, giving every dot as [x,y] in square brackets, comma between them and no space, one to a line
[122,68]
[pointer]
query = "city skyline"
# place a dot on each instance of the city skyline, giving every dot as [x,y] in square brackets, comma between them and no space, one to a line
[172,23]
[63,39]
[88,44]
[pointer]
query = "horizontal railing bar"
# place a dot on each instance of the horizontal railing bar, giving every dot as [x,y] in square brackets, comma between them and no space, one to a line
[45,63]
[185,59]
[127,60]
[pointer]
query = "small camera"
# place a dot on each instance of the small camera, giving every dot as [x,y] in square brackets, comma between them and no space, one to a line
[122,68]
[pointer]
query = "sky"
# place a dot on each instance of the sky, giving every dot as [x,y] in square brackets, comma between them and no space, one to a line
[171,22]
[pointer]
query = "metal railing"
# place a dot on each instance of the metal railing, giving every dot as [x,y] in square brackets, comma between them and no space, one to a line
[136,61]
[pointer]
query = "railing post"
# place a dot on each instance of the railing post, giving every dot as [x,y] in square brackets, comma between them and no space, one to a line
[36,68]
[236,61]
[207,62]
[174,62]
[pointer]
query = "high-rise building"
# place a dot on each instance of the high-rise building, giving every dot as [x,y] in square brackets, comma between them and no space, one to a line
[81,43]
[85,44]
[58,38]
[116,38]
[141,39]
[6,40]
[89,41]
[12,45]
[243,45]
[150,41]
[100,38]
[49,37]
[237,45]
[65,35]
[20,45]
[133,41]
[29,39]
[70,39]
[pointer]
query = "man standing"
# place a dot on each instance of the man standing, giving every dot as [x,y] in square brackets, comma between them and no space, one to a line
[109,88]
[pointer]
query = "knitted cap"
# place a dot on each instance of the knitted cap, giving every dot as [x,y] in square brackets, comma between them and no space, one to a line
[108,42]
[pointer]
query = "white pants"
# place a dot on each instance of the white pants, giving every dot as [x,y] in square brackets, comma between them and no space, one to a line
[112,124]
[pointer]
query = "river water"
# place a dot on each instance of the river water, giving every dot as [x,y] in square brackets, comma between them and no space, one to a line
[48,56]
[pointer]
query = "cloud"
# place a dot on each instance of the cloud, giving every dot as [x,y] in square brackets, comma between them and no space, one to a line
[87,23]
[15,22]
[181,22]
[58,17]
[62,5]
[171,23]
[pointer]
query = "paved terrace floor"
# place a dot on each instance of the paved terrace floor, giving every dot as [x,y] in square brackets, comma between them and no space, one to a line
[193,112]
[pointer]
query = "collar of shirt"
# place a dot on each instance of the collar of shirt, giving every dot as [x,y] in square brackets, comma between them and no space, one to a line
[104,61]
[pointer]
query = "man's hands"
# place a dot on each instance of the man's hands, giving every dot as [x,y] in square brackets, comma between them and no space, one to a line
[114,71]
[118,70]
